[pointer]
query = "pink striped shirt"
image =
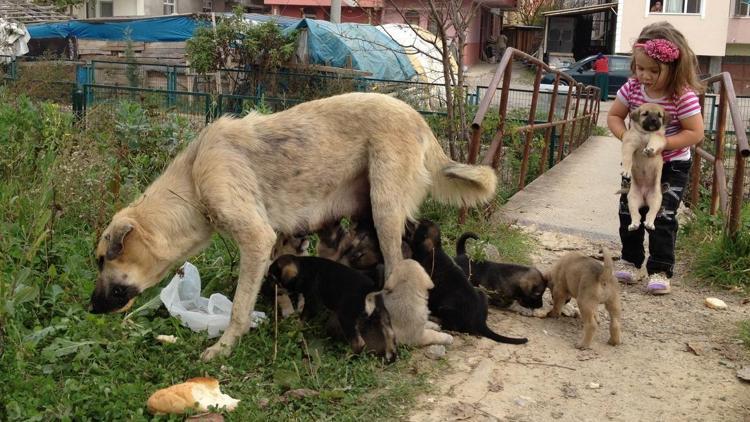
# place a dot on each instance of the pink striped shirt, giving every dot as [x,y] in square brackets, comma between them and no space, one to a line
[633,95]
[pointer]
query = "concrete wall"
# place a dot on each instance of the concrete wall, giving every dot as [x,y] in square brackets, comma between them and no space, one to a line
[706,31]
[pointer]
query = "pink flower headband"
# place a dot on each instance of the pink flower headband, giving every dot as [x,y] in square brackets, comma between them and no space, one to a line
[660,49]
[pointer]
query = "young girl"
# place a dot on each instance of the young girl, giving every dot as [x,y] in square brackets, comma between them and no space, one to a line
[664,67]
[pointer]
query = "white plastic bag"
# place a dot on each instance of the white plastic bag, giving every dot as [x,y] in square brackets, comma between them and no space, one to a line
[183,300]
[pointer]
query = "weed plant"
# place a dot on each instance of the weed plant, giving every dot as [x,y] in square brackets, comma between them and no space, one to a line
[716,257]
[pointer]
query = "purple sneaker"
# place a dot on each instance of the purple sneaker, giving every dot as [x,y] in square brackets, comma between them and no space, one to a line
[658,284]
[629,274]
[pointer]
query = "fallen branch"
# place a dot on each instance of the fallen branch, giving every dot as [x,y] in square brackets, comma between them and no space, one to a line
[539,363]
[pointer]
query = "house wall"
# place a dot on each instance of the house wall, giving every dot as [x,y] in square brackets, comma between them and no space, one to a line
[706,32]
[738,31]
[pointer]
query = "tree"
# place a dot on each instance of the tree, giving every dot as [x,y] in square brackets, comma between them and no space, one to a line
[530,11]
[451,19]
[237,43]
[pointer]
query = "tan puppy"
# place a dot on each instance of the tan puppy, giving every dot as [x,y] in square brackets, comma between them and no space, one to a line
[286,172]
[405,297]
[585,279]
[642,145]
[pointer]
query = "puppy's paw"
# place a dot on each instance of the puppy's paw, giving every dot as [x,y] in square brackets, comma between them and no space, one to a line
[634,226]
[357,344]
[614,341]
[552,314]
[625,174]
[538,313]
[217,350]
[583,346]
[648,225]
[649,152]
[570,311]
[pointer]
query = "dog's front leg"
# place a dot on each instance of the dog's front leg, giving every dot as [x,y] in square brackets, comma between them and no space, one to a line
[255,240]
[629,145]
[656,144]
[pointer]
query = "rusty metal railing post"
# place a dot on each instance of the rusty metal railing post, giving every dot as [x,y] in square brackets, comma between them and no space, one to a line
[572,141]
[719,149]
[548,132]
[561,140]
[530,132]
[741,153]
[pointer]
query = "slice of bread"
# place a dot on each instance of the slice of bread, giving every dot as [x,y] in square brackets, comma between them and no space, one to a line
[195,393]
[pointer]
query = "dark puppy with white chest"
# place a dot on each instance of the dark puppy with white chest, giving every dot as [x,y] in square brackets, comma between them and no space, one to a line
[458,304]
[326,284]
[504,283]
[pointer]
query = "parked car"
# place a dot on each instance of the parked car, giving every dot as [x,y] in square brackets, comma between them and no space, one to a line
[619,72]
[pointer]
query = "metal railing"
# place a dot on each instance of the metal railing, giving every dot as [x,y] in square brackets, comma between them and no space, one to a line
[574,125]
[730,206]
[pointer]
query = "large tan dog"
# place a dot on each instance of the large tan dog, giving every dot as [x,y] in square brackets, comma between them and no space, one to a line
[287,172]
[642,145]
[585,279]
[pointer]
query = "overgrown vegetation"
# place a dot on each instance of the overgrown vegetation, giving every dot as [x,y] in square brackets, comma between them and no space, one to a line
[715,257]
[60,185]
[237,43]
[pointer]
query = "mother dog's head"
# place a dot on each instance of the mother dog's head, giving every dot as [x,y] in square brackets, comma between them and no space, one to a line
[127,265]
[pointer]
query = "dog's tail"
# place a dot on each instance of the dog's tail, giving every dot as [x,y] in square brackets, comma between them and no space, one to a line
[455,183]
[461,242]
[609,266]
[485,331]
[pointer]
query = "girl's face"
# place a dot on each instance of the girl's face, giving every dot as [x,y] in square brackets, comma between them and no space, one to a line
[649,72]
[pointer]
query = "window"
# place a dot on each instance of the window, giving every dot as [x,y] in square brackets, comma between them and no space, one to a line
[742,8]
[309,13]
[412,17]
[675,6]
[106,9]
[619,63]
[170,7]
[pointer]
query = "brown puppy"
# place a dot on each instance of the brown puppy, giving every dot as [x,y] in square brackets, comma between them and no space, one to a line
[585,279]
[642,145]
[291,171]
[405,296]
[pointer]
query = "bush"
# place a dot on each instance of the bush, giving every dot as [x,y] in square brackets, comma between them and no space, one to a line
[718,258]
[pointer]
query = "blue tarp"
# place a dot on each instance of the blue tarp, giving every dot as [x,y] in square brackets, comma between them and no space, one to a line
[170,28]
[371,50]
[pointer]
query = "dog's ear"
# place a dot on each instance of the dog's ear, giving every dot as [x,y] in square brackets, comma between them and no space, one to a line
[116,237]
[635,116]
[665,117]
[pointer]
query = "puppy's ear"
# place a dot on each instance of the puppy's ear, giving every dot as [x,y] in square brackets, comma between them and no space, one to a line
[116,238]
[666,117]
[289,270]
[635,116]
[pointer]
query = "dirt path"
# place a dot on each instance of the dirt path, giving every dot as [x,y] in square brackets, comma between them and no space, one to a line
[653,376]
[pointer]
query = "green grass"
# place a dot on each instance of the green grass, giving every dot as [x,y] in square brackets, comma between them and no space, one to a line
[715,258]
[745,333]
[59,185]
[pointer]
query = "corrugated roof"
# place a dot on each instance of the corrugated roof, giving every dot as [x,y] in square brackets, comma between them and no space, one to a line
[584,10]
[27,12]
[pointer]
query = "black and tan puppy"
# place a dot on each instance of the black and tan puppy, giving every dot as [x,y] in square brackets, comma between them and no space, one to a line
[286,245]
[642,145]
[326,284]
[504,283]
[376,328]
[458,304]
[585,279]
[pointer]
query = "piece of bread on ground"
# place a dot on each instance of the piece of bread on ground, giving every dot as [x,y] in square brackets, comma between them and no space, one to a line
[195,393]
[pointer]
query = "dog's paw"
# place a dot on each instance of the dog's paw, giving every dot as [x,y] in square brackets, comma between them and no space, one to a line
[633,227]
[649,226]
[552,314]
[570,311]
[583,346]
[625,174]
[538,313]
[217,350]
[614,341]
[649,152]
